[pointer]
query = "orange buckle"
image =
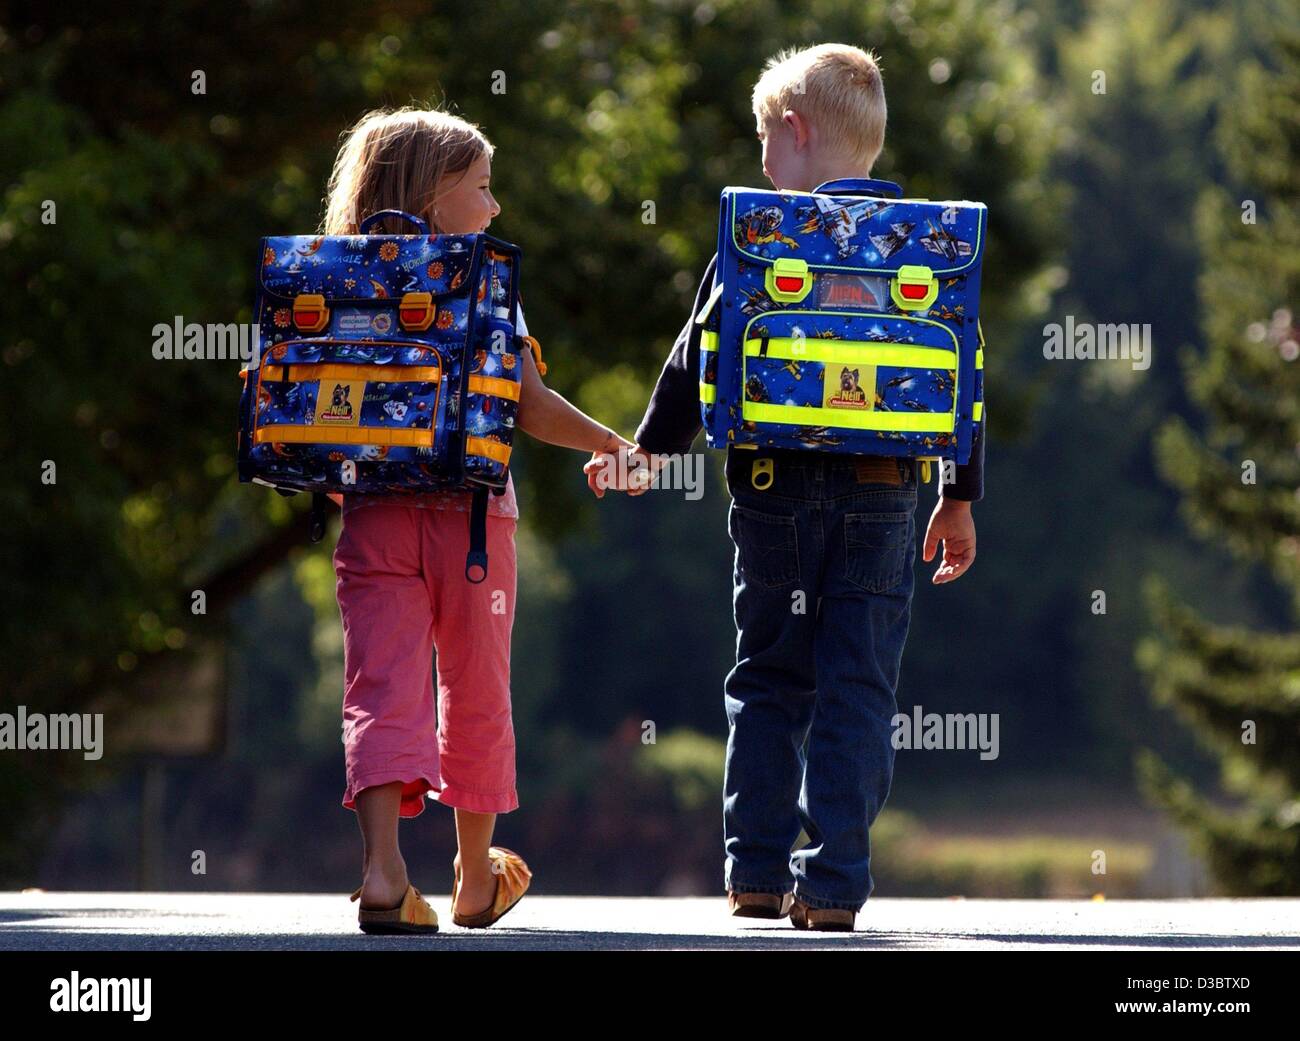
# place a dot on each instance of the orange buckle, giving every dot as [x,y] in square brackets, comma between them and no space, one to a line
[310,314]
[416,311]
[536,348]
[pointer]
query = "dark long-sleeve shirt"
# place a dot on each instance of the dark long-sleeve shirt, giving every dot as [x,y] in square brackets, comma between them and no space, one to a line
[672,418]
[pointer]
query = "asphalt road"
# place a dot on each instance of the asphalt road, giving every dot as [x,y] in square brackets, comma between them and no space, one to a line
[38,920]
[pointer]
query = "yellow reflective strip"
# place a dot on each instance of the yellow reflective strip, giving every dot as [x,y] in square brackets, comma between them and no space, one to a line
[708,393]
[870,351]
[497,386]
[811,415]
[382,373]
[485,446]
[977,411]
[328,435]
[708,341]
[979,358]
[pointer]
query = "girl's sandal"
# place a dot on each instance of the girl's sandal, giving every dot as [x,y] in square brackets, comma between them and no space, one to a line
[513,879]
[412,915]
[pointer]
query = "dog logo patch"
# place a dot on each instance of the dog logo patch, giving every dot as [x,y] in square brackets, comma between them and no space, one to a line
[852,388]
[339,403]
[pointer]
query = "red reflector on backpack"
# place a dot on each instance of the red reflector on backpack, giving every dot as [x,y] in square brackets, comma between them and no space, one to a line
[911,291]
[310,314]
[789,283]
[416,311]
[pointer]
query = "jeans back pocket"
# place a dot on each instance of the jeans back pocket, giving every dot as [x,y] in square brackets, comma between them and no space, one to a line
[875,549]
[767,546]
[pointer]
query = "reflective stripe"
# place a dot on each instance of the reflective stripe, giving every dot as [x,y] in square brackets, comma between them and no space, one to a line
[708,341]
[811,415]
[485,446]
[384,373]
[979,358]
[322,434]
[876,353]
[709,304]
[977,411]
[494,385]
[708,393]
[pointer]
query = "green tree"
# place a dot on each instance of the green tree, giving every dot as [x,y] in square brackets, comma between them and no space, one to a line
[1240,688]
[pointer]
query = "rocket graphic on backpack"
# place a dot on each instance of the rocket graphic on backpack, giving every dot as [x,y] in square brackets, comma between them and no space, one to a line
[845,320]
[388,363]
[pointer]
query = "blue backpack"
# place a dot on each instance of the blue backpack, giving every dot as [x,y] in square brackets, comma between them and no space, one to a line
[388,363]
[844,321]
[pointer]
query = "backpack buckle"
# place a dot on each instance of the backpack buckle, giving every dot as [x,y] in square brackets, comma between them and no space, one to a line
[914,288]
[310,315]
[416,312]
[788,280]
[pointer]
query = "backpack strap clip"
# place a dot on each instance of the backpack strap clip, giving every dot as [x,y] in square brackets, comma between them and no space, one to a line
[532,344]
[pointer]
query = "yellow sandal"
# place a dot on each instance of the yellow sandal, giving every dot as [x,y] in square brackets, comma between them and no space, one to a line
[412,915]
[513,880]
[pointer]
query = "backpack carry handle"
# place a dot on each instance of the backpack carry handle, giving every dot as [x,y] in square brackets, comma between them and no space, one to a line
[417,221]
[859,186]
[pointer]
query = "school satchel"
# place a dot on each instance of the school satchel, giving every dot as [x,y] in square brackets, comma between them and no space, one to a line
[845,320]
[388,363]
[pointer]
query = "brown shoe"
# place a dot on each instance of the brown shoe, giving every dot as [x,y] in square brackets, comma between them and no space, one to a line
[412,915]
[759,905]
[826,919]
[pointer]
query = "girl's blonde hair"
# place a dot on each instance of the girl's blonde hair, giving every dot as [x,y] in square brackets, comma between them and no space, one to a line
[394,159]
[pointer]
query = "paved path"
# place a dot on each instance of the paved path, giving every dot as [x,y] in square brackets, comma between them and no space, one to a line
[291,921]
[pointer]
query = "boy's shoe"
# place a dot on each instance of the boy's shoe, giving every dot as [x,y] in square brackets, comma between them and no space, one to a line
[412,915]
[759,905]
[827,919]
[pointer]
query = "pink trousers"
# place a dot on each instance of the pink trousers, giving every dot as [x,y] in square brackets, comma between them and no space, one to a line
[402,592]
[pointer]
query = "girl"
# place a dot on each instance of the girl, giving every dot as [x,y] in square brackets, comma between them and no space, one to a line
[401,587]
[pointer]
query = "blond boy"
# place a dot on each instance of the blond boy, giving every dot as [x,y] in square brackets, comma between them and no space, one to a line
[823,567]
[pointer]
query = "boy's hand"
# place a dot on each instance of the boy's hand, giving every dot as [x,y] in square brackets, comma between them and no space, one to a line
[952,523]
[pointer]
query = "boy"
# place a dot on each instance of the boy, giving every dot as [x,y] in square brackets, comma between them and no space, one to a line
[823,567]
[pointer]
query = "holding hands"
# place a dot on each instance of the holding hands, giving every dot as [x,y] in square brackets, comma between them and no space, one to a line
[627,468]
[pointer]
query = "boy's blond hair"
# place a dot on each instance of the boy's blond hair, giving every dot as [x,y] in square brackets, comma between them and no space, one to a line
[393,159]
[837,88]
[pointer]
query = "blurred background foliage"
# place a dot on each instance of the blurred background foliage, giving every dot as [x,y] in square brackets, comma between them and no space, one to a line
[161,196]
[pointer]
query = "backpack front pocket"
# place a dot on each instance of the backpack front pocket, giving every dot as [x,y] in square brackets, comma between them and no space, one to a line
[324,410]
[847,376]
[353,401]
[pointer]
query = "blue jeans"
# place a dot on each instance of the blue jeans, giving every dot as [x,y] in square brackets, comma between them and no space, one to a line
[823,598]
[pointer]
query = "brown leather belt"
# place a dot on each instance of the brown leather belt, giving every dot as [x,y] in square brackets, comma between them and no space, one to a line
[868,469]
[876,469]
